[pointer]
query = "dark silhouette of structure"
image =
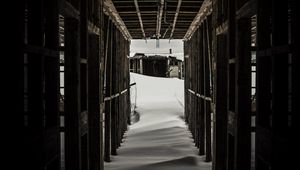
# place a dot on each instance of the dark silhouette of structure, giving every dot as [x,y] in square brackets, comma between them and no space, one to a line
[70,86]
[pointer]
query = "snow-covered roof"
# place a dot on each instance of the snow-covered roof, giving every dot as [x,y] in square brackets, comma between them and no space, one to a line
[178,56]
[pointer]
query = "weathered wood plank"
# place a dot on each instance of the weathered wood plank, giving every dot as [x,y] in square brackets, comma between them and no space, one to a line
[72,95]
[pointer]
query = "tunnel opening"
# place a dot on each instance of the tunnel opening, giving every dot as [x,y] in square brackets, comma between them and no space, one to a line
[72,85]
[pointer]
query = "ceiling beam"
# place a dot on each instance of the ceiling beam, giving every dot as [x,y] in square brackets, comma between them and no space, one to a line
[110,10]
[159,18]
[140,17]
[175,18]
[204,11]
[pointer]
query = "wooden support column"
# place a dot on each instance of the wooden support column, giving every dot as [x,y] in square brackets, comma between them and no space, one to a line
[101,86]
[52,135]
[193,119]
[94,102]
[206,87]
[295,80]
[108,56]
[220,126]
[186,92]
[36,113]
[72,95]
[114,108]
[279,83]
[201,91]
[196,67]
[243,95]
[118,85]
[14,87]
[263,88]
[128,84]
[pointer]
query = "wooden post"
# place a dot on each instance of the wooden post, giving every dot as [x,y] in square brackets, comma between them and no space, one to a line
[201,92]
[279,84]
[101,86]
[263,87]
[36,112]
[206,87]
[220,126]
[72,95]
[114,88]
[108,56]
[15,97]
[52,135]
[94,102]
[243,95]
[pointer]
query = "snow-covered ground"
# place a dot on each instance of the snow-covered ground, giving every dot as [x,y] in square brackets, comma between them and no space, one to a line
[160,140]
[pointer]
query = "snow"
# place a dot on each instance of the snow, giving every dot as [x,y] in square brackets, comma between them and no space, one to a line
[160,139]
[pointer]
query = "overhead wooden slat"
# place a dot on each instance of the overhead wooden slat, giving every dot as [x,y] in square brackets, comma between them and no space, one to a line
[158,19]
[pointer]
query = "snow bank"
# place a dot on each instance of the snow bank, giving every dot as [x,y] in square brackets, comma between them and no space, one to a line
[160,140]
[156,89]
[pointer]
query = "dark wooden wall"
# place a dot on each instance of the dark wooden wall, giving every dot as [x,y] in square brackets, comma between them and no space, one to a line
[65,55]
[116,86]
[250,57]
[198,76]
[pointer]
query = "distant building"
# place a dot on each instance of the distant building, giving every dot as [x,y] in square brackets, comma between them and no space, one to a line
[136,65]
[156,65]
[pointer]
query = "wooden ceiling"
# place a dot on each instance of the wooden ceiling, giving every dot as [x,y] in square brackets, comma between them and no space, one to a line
[163,19]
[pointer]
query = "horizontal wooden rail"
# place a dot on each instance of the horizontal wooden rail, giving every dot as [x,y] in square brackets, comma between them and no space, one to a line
[199,95]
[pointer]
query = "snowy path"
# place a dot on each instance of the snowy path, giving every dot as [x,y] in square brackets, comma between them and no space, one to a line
[160,140]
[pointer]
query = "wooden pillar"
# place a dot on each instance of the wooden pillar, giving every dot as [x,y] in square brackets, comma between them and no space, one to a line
[101,86]
[206,87]
[108,56]
[52,135]
[243,95]
[94,102]
[36,112]
[196,77]
[295,80]
[72,95]
[15,90]
[220,126]
[114,108]
[201,91]
[263,88]
[279,83]
[186,77]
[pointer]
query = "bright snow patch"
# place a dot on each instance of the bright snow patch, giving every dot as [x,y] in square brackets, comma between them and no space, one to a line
[160,140]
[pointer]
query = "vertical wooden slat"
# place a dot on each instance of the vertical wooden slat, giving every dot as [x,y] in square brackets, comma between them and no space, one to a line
[220,131]
[107,87]
[102,75]
[36,112]
[243,95]
[72,95]
[279,83]
[206,87]
[201,91]
[52,135]
[114,91]
[94,102]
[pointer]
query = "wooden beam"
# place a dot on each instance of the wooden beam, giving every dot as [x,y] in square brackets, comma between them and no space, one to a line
[159,18]
[175,18]
[68,10]
[140,17]
[223,28]
[247,10]
[204,11]
[110,10]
